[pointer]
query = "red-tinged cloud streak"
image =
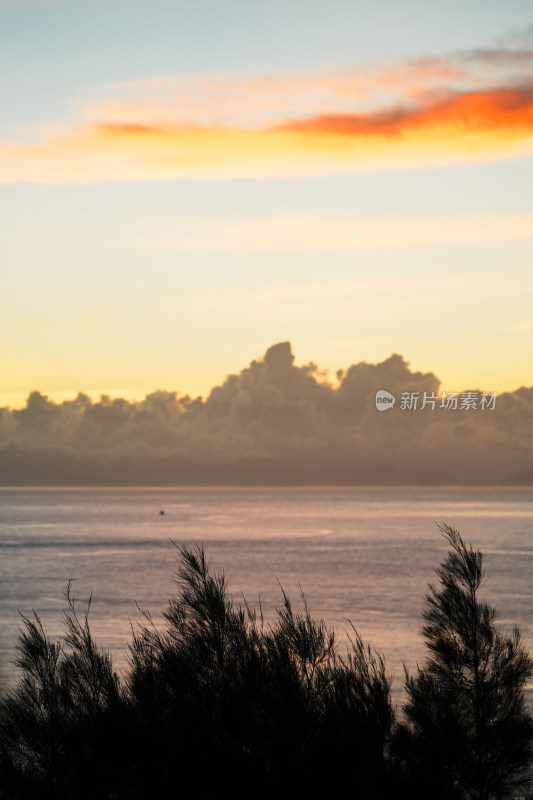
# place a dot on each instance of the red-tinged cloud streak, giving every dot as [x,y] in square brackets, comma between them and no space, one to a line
[506,110]
[466,127]
[439,127]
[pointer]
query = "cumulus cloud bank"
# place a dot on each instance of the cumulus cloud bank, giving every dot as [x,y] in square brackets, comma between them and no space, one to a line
[275,423]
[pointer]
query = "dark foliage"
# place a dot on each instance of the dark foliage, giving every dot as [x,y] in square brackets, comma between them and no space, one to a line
[251,705]
[471,736]
[59,722]
[215,695]
[215,699]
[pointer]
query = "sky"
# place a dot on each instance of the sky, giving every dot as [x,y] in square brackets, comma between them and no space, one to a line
[183,185]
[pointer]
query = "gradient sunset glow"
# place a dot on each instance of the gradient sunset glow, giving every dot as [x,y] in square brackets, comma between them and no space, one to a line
[182,185]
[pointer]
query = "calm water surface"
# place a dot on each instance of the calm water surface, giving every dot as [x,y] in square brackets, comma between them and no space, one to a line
[364,554]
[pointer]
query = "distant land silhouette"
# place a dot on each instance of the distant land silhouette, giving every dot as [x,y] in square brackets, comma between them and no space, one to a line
[27,469]
[523,479]
[274,423]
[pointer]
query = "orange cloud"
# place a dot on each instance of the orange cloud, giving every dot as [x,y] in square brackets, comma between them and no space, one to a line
[504,110]
[257,100]
[148,142]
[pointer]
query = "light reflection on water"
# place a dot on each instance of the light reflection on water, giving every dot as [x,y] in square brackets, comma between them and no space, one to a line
[363,554]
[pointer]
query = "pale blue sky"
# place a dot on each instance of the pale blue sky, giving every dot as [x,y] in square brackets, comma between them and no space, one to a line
[52,51]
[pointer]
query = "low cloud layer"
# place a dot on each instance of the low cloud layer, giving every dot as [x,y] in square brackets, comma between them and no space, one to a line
[274,422]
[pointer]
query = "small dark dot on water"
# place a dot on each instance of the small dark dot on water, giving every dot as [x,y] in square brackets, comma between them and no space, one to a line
[161,512]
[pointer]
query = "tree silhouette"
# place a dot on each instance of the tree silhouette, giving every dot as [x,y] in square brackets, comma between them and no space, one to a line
[215,695]
[276,707]
[471,735]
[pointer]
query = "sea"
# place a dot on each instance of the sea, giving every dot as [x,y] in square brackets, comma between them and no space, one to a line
[361,557]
